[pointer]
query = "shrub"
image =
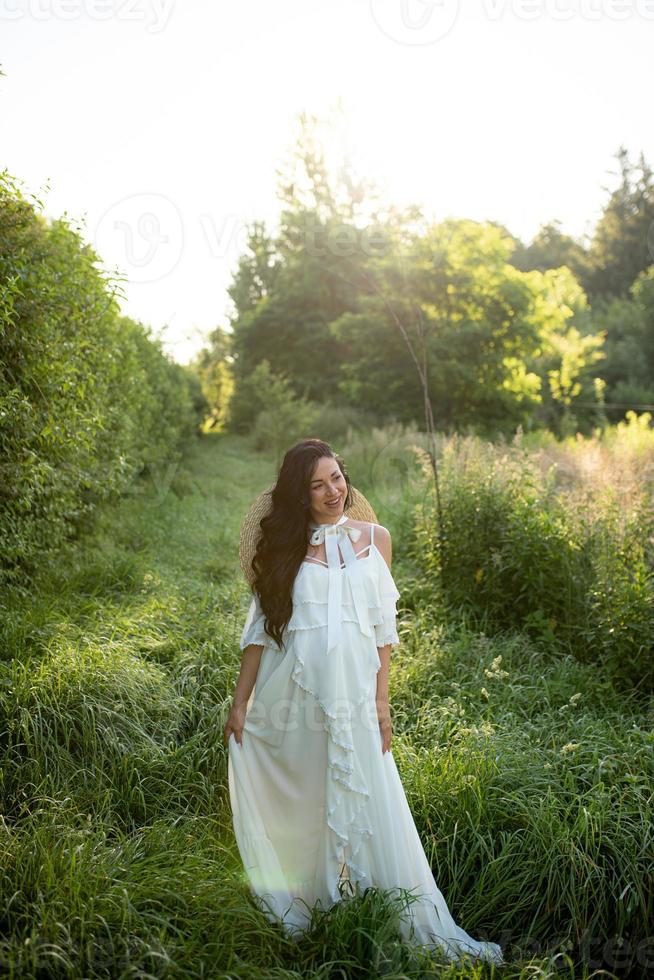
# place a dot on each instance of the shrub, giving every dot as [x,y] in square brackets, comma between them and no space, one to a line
[569,569]
[283,417]
[88,399]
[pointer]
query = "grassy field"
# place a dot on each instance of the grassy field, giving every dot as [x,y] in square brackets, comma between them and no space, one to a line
[529,775]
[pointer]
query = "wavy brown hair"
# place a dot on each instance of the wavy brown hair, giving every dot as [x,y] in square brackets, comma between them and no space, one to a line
[285,533]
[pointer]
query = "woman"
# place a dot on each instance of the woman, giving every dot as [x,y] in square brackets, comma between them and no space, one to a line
[317,801]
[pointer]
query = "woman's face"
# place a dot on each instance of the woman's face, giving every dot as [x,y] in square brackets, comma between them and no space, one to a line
[327,484]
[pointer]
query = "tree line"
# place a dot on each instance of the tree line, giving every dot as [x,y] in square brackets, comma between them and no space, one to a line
[557,333]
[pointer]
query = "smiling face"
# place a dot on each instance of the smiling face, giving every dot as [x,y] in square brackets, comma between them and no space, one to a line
[327,484]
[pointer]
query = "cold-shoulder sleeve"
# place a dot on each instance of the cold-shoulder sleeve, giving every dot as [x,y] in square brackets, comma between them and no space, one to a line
[386,631]
[253,631]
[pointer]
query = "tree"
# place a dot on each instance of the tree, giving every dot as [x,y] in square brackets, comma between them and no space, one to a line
[213,366]
[498,340]
[257,270]
[550,248]
[623,243]
[281,417]
[289,288]
[628,370]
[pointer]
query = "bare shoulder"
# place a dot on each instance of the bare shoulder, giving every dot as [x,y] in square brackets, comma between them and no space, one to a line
[384,542]
[382,537]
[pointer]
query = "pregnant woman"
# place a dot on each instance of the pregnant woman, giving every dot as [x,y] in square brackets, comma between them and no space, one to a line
[317,802]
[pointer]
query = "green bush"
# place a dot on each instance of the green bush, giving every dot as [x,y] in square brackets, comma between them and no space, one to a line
[570,569]
[88,399]
[282,418]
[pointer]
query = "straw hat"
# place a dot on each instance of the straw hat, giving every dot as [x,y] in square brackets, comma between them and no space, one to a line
[359,510]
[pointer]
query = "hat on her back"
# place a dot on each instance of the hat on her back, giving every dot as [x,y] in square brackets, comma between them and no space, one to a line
[359,510]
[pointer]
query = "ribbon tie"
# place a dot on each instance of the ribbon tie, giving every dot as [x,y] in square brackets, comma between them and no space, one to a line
[335,536]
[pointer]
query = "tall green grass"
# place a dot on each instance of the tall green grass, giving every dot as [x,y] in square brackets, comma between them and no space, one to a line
[569,560]
[528,772]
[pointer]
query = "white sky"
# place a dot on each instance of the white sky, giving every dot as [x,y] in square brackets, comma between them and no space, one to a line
[157,125]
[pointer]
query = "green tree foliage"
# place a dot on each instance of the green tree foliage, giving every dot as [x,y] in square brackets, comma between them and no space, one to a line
[281,417]
[334,300]
[256,272]
[290,288]
[623,240]
[628,370]
[499,342]
[569,350]
[551,248]
[622,243]
[88,399]
[212,365]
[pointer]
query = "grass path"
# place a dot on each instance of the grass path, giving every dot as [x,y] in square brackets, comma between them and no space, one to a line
[118,858]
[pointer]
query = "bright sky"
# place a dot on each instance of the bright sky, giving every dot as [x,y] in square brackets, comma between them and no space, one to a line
[157,126]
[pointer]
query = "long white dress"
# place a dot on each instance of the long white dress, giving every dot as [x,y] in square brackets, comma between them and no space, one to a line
[317,807]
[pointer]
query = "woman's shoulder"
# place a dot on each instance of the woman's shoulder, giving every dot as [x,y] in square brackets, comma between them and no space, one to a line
[384,543]
[379,528]
[380,535]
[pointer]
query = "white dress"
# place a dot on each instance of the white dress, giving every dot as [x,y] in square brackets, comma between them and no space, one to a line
[317,808]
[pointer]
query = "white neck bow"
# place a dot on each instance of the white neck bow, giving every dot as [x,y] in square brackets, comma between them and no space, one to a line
[335,536]
[335,532]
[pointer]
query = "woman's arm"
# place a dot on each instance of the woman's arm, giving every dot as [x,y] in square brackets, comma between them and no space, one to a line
[248,674]
[383,672]
[249,669]
[381,698]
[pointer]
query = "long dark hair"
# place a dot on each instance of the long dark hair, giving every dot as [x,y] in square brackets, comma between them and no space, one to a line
[282,545]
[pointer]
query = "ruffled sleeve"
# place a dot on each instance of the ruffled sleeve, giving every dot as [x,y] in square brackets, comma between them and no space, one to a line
[253,631]
[386,631]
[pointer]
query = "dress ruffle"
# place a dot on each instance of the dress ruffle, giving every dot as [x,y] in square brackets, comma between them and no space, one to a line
[310,607]
[330,681]
[253,630]
[343,686]
[300,826]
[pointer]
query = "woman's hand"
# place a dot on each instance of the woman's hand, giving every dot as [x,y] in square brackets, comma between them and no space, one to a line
[250,661]
[235,723]
[385,726]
